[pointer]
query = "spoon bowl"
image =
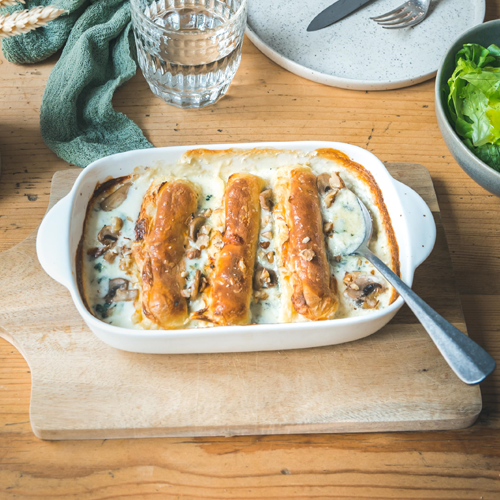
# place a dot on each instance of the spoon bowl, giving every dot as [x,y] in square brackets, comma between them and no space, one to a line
[471,363]
[368,228]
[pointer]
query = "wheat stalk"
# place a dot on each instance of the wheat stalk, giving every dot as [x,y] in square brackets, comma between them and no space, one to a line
[9,3]
[27,20]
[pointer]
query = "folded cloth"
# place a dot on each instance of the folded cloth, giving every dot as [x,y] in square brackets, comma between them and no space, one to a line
[77,119]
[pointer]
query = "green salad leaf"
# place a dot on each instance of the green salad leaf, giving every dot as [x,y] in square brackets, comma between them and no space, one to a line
[474,101]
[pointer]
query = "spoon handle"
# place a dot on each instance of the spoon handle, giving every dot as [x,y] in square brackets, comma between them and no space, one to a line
[468,360]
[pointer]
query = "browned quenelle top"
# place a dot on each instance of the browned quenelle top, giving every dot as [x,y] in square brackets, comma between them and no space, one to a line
[232,281]
[314,290]
[163,252]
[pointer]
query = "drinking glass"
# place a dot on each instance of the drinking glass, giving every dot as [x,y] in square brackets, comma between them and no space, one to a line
[189,50]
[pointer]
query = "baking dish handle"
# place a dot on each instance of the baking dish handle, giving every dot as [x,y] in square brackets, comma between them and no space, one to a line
[420,223]
[52,242]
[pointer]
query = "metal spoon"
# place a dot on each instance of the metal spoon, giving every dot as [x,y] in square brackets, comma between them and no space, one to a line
[468,360]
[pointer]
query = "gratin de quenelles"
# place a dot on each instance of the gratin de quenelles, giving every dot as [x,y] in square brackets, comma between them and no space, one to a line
[234,237]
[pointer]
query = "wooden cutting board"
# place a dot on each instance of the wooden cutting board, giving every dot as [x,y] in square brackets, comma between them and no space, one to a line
[83,389]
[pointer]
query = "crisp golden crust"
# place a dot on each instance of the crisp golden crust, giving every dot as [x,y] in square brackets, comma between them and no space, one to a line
[161,250]
[231,287]
[304,254]
[366,177]
[209,154]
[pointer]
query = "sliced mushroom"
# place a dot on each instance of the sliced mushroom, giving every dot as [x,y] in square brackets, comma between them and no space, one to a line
[266,200]
[107,237]
[118,282]
[336,181]
[265,244]
[370,303]
[203,283]
[323,183]
[115,199]
[330,197]
[195,226]
[371,288]
[116,224]
[270,257]
[118,290]
[125,295]
[199,284]
[268,235]
[363,289]
[207,213]
[330,186]
[264,278]
[95,252]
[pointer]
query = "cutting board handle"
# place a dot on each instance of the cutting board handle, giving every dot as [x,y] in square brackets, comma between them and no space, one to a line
[422,235]
[52,242]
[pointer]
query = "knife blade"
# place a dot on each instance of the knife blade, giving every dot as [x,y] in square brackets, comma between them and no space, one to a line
[334,13]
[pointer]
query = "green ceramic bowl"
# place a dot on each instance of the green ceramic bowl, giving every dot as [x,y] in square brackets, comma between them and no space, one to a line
[483,34]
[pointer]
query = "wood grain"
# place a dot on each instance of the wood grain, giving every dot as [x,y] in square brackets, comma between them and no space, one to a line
[264,102]
[82,388]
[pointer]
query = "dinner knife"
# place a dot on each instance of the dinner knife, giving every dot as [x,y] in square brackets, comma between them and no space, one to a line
[334,13]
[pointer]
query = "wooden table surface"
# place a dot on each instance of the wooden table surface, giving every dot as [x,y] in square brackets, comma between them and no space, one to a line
[265,103]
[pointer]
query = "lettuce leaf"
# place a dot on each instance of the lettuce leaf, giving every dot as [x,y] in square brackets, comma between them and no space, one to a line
[489,153]
[474,101]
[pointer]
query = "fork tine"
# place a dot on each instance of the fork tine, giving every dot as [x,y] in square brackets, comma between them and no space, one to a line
[415,21]
[387,14]
[397,19]
[409,16]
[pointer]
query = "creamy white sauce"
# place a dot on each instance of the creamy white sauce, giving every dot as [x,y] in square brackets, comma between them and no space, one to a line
[264,309]
[98,272]
[348,223]
[210,174]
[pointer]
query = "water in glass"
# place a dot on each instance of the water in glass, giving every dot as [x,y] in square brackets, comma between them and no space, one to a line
[189,50]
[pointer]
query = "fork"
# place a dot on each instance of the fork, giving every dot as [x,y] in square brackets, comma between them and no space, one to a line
[406,15]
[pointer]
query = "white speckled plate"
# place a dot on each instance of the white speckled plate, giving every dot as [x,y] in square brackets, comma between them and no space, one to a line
[355,53]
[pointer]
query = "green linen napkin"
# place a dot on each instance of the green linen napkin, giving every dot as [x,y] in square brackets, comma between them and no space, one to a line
[77,119]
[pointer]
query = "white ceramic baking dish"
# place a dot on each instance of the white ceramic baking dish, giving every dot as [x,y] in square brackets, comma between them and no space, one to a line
[61,229]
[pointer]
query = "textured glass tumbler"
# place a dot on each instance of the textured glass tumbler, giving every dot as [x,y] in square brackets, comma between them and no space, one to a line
[189,50]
